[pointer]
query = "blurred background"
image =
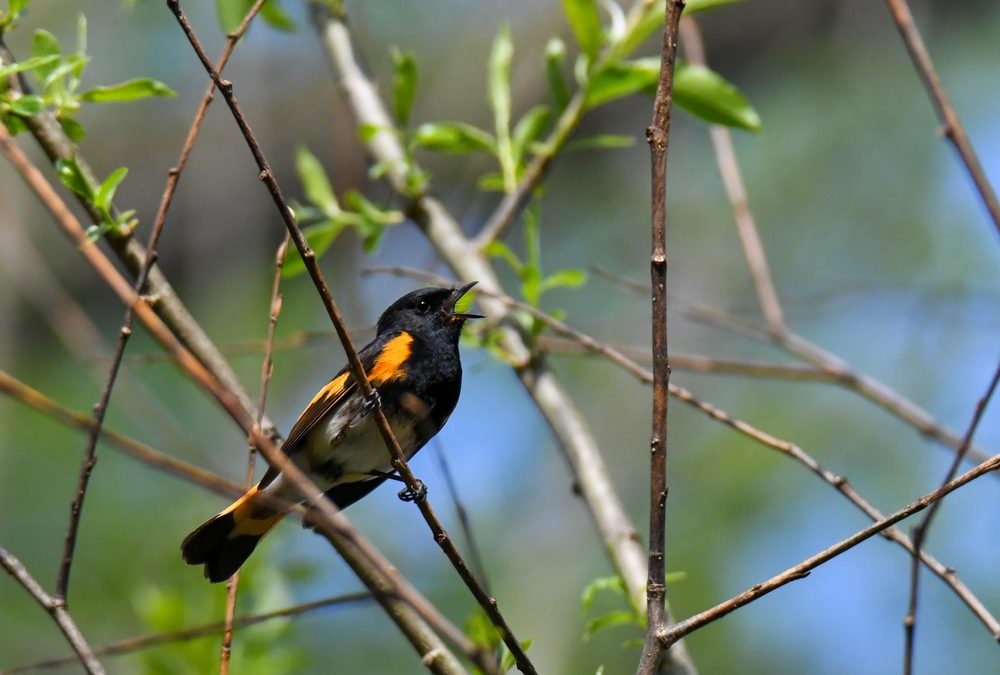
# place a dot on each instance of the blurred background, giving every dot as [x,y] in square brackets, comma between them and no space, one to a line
[881,253]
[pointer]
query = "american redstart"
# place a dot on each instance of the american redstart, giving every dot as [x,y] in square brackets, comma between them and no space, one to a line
[413,365]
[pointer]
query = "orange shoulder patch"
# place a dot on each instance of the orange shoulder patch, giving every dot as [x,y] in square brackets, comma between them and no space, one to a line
[390,364]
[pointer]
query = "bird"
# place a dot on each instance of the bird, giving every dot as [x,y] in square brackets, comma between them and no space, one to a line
[414,367]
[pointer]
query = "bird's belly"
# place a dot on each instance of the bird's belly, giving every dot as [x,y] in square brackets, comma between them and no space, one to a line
[349,447]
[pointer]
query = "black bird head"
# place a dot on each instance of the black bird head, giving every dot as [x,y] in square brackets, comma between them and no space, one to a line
[426,311]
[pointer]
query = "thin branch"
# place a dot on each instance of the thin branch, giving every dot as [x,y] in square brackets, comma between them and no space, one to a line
[377,574]
[658,136]
[951,125]
[803,569]
[463,518]
[732,180]
[56,609]
[266,368]
[568,425]
[920,531]
[138,644]
[399,463]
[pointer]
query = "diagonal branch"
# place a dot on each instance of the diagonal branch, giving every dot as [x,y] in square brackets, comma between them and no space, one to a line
[920,531]
[951,125]
[56,608]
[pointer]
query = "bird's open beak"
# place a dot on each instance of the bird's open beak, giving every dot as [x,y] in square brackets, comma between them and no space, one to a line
[456,295]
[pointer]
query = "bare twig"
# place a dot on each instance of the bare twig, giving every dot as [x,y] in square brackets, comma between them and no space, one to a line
[266,369]
[399,463]
[56,608]
[802,570]
[145,642]
[951,125]
[377,574]
[658,136]
[920,531]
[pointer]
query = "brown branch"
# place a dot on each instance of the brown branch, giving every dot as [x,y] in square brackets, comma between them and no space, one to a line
[266,368]
[145,642]
[920,531]
[658,136]
[951,125]
[56,608]
[803,569]
[399,463]
[363,558]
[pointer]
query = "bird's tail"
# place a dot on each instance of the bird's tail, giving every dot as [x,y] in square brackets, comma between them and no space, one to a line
[225,542]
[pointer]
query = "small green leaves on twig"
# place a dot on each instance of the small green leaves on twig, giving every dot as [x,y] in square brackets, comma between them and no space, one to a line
[102,197]
[500,100]
[8,19]
[404,86]
[232,12]
[59,76]
[323,219]
[585,20]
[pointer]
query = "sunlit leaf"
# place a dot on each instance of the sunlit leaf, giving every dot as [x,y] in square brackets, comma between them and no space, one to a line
[106,192]
[617,617]
[528,129]
[45,44]
[555,63]
[480,631]
[73,129]
[37,63]
[590,591]
[508,661]
[585,19]
[132,90]
[706,94]
[315,183]
[568,278]
[498,249]
[72,177]
[319,236]
[28,105]
[453,137]
[232,12]
[404,86]
[621,79]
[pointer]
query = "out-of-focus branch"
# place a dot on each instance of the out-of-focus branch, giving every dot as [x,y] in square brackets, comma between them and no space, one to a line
[803,569]
[951,125]
[920,531]
[56,609]
[57,146]
[132,645]
[658,137]
[567,423]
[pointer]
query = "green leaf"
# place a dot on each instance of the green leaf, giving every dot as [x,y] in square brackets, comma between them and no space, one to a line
[508,662]
[491,182]
[275,16]
[132,90]
[555,63]
[13,13]
[480,631]
[528,129]
[105,193]
[73,129]
[602,141]
[367,131]
[15,125]
[585,20]
[568,278]
[315,183]
[499,93]
[320,236]
[28,106]
[617,617]
[590,591]
[45,45]
[358,203]
[73,178]
[453,137]
[498,249]
[232,12]
[34,63]
[404,85]
[691,6]
[706,94]
[621,79]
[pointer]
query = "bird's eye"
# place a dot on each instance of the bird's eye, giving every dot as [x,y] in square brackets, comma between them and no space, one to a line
[423,306]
